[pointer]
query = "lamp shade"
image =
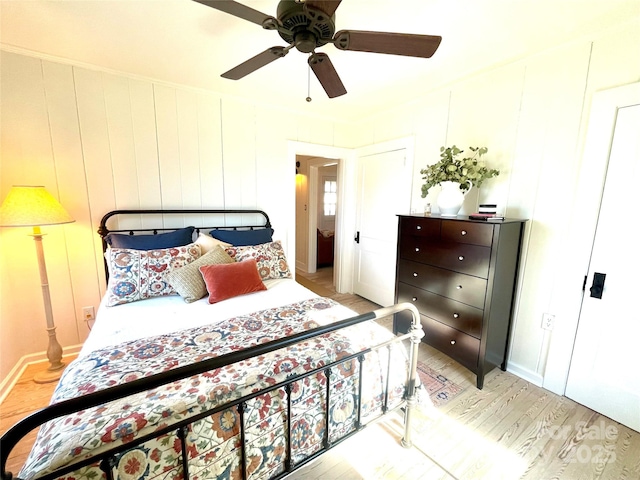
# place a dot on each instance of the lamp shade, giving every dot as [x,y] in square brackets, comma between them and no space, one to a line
[28,206]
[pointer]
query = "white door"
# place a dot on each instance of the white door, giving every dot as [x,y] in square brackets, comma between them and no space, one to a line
[604,373]
[384,191]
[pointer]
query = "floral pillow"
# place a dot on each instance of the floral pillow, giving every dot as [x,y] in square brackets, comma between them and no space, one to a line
[188,280]
[139,274]
[269,257]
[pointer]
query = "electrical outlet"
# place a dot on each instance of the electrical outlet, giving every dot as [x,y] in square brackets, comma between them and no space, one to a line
[547,321]
[88,313]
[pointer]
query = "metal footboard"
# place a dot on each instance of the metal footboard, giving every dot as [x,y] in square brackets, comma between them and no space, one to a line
[107,458]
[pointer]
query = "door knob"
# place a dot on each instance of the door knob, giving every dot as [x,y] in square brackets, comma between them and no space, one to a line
[597,287]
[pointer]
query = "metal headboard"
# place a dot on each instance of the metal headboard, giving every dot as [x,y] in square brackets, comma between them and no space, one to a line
[103,230]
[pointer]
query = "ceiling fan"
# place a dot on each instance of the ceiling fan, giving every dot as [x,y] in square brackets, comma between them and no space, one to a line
[309,24]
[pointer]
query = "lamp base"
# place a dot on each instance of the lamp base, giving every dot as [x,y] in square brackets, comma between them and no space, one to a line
[49,375]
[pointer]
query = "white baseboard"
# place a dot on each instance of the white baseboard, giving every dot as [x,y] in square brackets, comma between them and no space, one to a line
[18,369]
[525,374]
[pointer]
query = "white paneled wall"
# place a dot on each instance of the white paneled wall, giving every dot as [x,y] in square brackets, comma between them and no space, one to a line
[531,115]
[100,141]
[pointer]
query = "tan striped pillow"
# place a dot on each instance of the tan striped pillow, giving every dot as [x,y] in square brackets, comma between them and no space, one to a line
[188,281]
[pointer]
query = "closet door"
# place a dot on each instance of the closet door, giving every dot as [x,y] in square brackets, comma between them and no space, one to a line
[384,188]
[604,373]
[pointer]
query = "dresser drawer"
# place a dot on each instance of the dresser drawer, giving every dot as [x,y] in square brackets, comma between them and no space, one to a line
[467,232]
[461,275]
[461,347]
[455,314]
[458,286]
[459,257]
[421,226]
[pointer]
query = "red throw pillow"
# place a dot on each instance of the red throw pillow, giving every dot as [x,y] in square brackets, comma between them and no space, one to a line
[231,279]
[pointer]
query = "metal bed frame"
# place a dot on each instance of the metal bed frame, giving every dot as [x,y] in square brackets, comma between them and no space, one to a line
[107,458]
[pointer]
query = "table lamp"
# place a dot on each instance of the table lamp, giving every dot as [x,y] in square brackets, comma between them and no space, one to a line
[33,206]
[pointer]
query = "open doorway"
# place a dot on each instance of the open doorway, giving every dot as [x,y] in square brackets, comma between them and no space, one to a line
[317,186]
[311,156]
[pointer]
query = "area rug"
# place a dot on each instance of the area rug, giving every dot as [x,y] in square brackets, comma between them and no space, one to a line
[440,389]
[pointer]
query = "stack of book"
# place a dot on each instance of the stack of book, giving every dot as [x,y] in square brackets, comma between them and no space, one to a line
[487,211]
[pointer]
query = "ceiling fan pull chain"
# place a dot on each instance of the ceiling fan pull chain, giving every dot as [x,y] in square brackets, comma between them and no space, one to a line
[309,83]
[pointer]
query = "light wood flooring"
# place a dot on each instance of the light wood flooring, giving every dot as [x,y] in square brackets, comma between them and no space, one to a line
[509,430]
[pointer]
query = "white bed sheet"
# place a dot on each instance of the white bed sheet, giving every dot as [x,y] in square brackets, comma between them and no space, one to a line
[163,315]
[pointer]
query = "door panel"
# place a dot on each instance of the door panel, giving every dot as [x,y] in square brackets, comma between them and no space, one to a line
[604,373]
[384,187]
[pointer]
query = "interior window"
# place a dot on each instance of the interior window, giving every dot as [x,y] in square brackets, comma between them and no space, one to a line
[330,198]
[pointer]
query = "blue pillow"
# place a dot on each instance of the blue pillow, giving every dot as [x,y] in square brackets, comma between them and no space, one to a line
[183,236]
[241,238]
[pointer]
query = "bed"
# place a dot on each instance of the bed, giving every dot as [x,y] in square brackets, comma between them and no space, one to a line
[252,380]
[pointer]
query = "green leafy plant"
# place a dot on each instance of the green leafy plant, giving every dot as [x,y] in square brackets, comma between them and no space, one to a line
[453,168]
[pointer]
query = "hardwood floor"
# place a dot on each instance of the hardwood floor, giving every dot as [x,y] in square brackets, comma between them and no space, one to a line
[509,430]
[24,398]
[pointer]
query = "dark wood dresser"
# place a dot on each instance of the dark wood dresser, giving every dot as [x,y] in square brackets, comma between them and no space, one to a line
[461,275]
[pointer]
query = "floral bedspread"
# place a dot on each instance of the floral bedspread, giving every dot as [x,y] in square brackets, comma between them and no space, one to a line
[213,443]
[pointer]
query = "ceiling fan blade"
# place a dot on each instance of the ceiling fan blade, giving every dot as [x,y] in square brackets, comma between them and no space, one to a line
[327,6]
[237,9]
[408,44]
[253,64]
[327,75]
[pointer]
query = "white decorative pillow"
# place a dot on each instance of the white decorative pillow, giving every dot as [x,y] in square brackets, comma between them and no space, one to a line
[270,258]
[207,242]
[139,274]
[188,280]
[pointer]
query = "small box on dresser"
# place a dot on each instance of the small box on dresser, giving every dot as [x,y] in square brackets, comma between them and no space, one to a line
[461,274]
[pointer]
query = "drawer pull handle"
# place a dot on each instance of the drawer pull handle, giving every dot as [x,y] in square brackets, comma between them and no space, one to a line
[413,299]
[453,342]
[455,315]
[417,249]
[461,257]
[463,232]
[459,287]
[415,274]
[418,227]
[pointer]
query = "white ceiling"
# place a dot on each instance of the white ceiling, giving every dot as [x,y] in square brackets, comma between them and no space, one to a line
[183,42]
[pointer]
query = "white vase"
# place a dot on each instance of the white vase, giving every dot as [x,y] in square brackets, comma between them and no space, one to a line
[450,198]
